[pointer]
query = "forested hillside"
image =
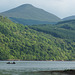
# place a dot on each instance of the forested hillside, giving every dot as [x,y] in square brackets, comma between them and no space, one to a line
[63,29]
[22,42]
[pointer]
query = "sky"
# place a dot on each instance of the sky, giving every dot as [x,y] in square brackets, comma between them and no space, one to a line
[60,8]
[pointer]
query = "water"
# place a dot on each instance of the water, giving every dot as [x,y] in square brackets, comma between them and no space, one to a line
[35,67]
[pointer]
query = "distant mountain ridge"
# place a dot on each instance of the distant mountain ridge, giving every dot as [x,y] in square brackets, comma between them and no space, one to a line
[27,11]
[69,18]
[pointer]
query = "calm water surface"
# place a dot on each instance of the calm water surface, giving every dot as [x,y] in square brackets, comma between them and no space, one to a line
[35,67]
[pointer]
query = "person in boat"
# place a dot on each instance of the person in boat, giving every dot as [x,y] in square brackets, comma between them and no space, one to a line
[11,63]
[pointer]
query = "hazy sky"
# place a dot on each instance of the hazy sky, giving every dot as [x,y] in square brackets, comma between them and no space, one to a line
[61,8]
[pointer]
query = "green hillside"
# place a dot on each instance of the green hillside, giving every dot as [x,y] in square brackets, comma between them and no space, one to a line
[29,12]
[22,42]
[63,29]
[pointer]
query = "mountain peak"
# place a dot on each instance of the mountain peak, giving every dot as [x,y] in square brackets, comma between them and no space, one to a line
[28,11]
[26,5]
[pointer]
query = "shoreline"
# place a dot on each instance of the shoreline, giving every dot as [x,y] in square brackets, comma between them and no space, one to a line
[33,60]
[68,71]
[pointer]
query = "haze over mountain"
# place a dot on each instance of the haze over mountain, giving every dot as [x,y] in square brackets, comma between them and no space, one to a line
[29,12]
[69,18]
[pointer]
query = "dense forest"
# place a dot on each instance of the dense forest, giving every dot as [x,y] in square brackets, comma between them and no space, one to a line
[36,42]
[63,29]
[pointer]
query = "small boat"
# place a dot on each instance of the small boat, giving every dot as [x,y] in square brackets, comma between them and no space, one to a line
[11,63]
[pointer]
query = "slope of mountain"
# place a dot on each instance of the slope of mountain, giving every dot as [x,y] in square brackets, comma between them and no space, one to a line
[21,42]
[30,12]
[63,29]
[69,18]
[29,21]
